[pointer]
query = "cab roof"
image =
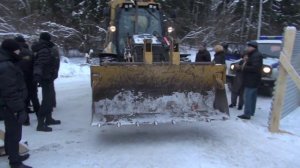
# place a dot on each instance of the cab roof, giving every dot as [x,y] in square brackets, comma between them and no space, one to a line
[269,41]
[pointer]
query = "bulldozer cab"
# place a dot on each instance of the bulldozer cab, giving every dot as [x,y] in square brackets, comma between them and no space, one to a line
[152,87]
[132,21]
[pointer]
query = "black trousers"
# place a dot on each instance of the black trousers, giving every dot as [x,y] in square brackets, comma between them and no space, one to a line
[32,96]
[54,95]
[236,95]
[48,95]
[13,136]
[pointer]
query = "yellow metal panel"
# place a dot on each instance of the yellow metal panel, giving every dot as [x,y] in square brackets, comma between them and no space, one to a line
[175,58]
[148,54]
[158,78]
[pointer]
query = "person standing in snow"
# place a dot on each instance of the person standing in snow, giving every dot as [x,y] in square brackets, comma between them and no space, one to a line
[26,65]
[203,55]
[46,68]
[238,87]
[251,69]
[219,55]
[13,93]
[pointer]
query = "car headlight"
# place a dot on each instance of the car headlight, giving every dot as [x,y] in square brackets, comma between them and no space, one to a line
[112,28]
[232,67]
[170,29]
[267,70]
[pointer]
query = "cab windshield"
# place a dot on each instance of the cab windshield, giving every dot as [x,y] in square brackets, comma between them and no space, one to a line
[270,50]
[138,21]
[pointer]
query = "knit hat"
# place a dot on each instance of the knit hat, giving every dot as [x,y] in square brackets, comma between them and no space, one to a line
[10,45]
[20,39]
[252,44]
[45,36]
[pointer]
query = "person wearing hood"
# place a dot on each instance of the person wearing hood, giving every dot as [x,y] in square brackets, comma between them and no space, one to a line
[13,93]
[45,71]
[252,73]
[219,55]
[203,55]
[26,65]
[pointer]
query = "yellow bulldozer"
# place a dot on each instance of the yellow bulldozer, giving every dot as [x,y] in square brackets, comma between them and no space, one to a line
[140,78]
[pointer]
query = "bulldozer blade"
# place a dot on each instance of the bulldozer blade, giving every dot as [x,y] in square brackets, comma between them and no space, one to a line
[131,93]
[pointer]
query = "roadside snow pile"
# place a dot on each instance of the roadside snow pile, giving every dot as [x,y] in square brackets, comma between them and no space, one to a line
[71,69]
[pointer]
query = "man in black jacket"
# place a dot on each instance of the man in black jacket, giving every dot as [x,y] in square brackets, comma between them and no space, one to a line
[12,94]
[46,68]
[203,55]
[251,69]
[26,65]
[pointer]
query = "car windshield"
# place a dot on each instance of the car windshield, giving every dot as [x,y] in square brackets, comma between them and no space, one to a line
[148,22]
[270,50]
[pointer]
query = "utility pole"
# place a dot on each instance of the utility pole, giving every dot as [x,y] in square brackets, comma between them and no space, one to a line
[260,19]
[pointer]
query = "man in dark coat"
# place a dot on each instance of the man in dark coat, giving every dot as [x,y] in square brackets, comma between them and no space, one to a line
[26,65]
[203,55]
[251,68]
[12,94]
[46,68]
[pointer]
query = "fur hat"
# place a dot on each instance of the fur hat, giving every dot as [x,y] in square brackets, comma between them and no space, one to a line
[252,44]
[10,45]
[20,39]
[219,48]
[45,36]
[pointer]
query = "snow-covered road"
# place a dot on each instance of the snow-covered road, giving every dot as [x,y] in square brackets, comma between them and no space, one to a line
[228,144]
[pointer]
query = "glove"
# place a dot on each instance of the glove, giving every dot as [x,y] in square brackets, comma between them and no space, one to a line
[22,117]
[37,78]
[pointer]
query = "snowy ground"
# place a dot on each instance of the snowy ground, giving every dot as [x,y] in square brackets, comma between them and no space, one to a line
[230,144]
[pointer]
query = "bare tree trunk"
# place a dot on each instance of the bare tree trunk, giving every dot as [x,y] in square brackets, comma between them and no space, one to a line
[250,22]
[242,35]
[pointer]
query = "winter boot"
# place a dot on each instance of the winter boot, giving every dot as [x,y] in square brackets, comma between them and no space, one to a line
[244,117]
[42,126]
[27,122]
[20,165]
[232,105]
[240,108]
[24,157]
[51,121]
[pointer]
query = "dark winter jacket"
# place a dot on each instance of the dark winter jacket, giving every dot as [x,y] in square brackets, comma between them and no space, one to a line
[220,58]
[238,86]
[252,70]
[203,56]
[26,62]
[46,64]
[13,90]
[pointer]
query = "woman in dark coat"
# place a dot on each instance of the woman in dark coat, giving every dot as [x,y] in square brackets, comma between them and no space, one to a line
[220,55]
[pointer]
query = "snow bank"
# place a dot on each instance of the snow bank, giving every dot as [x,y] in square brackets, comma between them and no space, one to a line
[71,68]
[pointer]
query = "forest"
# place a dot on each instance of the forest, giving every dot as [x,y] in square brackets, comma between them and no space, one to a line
[79,24]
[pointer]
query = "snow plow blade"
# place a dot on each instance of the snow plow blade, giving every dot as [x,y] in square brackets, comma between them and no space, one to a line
[137,94]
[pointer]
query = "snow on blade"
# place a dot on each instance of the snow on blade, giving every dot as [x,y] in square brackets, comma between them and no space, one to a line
[178,106]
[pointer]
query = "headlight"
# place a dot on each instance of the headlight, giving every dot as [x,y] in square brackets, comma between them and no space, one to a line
[267,70]
[232,67]
[112,28]
[170,29]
